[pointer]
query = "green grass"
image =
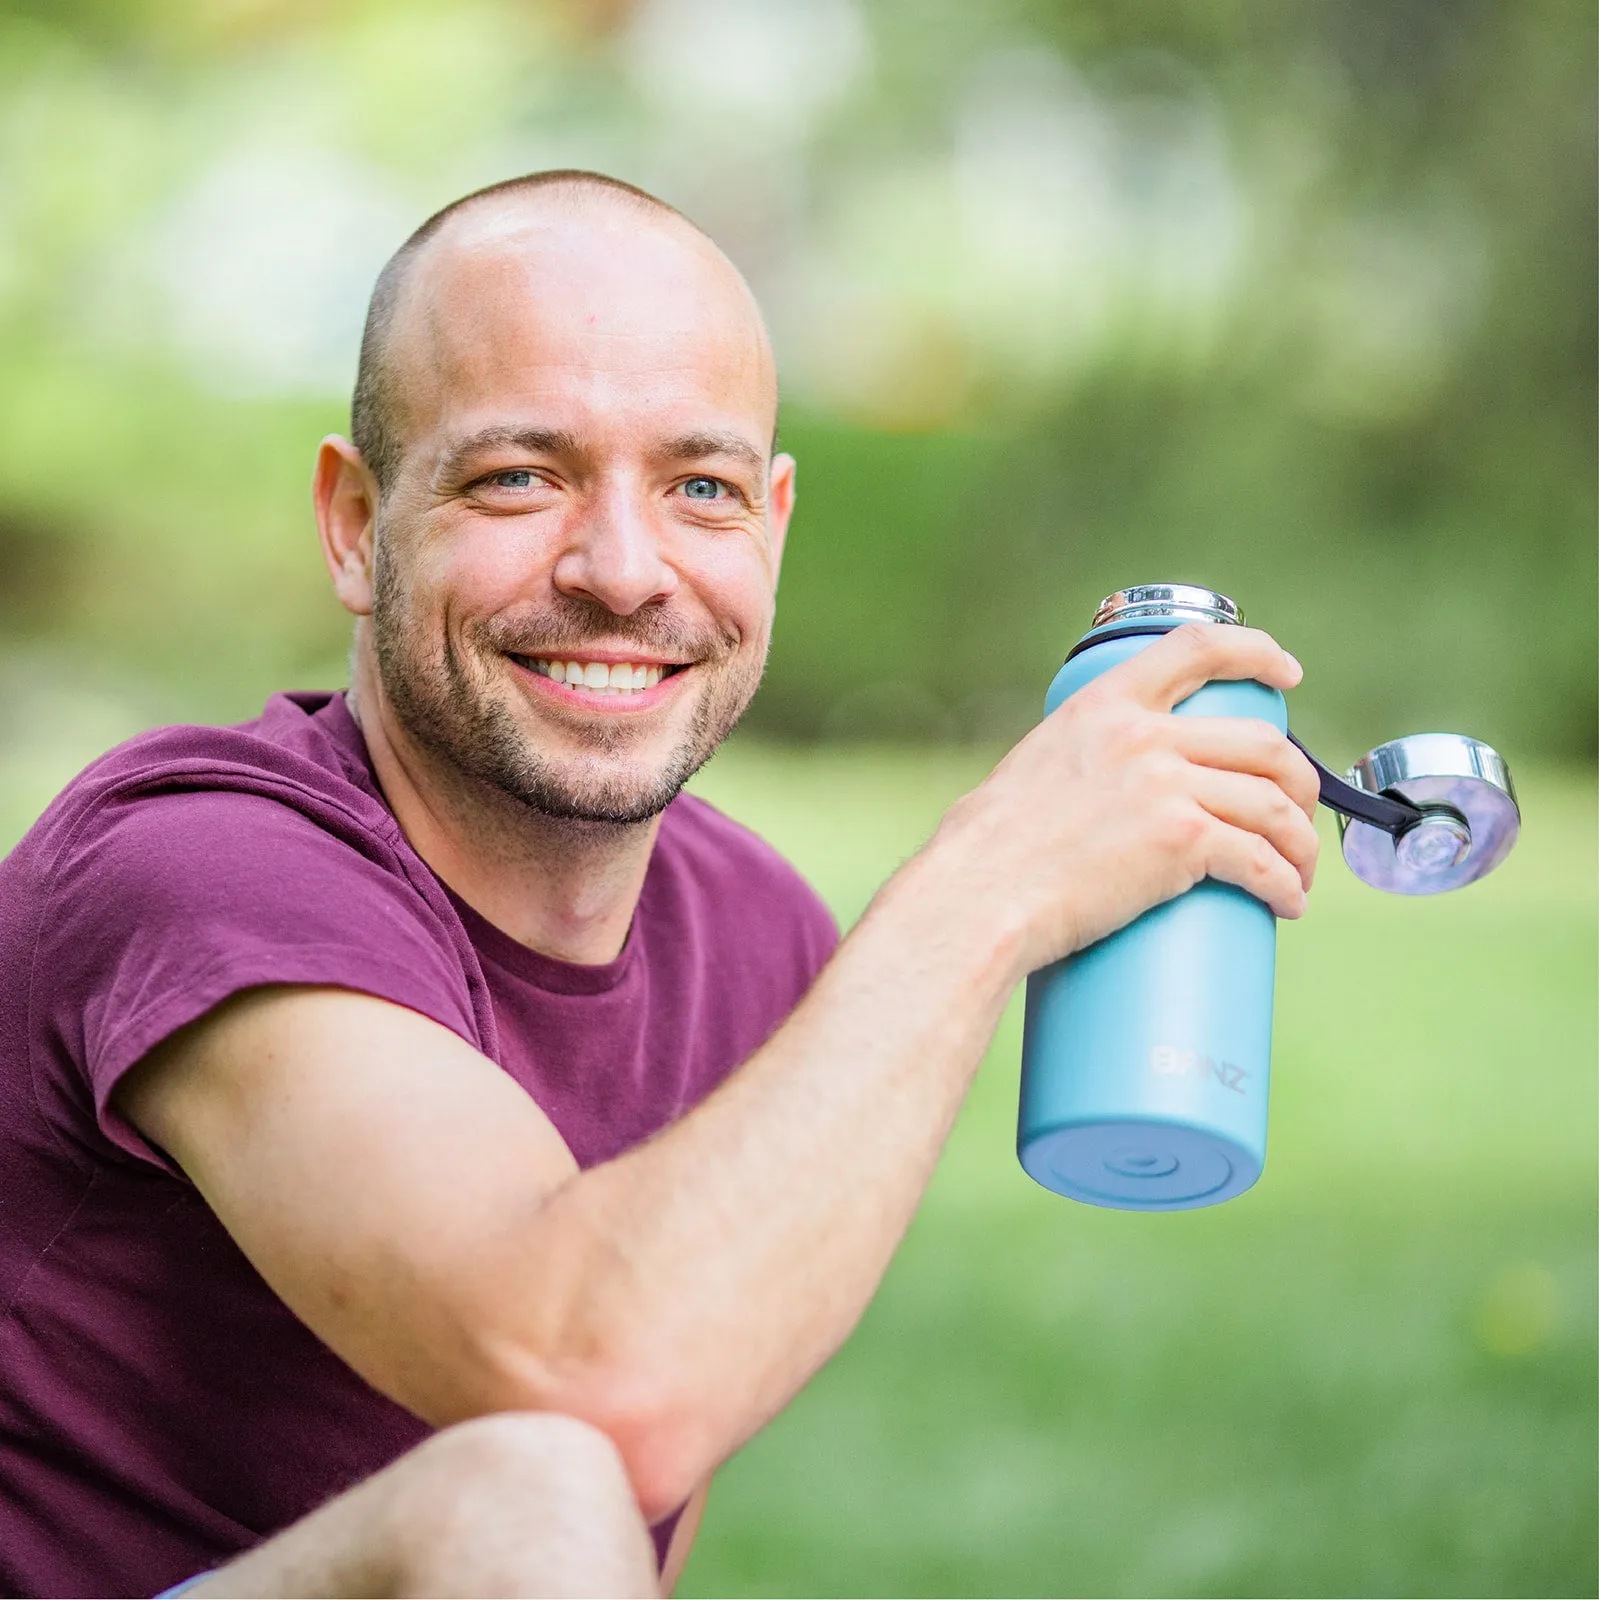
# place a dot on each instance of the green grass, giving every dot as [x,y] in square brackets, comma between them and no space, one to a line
[1374,1374]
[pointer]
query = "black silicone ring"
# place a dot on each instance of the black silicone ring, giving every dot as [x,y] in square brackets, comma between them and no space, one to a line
[1130,630]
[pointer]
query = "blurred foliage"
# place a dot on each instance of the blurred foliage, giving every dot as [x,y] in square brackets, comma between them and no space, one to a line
[1293,299]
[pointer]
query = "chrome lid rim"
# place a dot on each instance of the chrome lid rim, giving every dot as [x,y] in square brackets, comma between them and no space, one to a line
[1186,602]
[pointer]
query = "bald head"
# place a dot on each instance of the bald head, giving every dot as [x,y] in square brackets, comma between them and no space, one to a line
[525,246]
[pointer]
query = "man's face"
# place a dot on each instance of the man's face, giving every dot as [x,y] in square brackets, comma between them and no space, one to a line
[576,563]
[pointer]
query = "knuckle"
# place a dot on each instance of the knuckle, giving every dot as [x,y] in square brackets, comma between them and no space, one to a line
[1196,637]
[1082,702]
[1099,704]
[1182,825]
[1117,731]
[1263,858]
[1139,735]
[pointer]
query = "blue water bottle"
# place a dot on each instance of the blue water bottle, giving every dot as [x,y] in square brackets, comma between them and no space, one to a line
[1145,1058]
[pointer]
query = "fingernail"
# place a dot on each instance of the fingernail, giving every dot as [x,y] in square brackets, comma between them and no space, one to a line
[1295,659]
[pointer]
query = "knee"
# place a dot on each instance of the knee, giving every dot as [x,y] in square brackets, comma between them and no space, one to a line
[530,1444]
[524,1449]
[532,1471]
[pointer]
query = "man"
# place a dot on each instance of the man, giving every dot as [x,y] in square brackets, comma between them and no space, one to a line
[415,1059]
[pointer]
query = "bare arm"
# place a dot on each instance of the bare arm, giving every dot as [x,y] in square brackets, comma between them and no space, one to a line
[420,1213]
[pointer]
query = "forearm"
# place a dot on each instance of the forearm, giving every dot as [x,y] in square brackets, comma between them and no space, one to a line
[707,1275]
[687,1290]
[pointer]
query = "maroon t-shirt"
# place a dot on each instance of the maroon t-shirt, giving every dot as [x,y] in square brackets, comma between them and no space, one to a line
[160,1408]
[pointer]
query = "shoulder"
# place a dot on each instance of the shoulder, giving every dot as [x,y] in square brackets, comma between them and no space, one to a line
[742,882]
[193,863]
[270,821]
[189,788]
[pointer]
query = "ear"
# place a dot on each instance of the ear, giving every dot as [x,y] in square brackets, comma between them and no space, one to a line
[346,497]
[779,508]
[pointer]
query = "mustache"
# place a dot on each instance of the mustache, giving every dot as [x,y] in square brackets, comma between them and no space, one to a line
[565,626]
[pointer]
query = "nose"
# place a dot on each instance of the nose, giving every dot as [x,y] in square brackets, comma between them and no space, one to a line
[614,557]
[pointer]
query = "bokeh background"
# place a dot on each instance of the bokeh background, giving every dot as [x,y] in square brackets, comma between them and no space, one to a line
[1293,299]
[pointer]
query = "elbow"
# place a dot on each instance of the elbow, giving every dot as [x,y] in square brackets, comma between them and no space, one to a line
[668,1445]
[665,1461]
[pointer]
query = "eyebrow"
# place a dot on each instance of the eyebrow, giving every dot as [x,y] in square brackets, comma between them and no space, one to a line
[697,446]
[539,441]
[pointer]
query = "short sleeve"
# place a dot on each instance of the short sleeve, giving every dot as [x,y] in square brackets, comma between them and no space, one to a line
[163,905]
[818,931]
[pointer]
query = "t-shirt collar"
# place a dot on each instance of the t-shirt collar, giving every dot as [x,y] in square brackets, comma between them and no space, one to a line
[492,944]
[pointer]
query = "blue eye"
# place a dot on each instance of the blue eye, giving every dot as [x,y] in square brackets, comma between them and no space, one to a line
[702,488]
[515,478]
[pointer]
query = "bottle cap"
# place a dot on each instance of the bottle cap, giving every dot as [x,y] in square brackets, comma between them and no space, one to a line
[1470,817]
[1184,601]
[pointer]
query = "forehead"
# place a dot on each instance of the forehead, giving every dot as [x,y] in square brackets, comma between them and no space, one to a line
[582,317]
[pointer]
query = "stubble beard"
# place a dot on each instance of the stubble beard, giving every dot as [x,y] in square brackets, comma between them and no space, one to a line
[447,701]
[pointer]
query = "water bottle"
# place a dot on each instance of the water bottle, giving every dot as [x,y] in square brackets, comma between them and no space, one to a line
[1146,1058]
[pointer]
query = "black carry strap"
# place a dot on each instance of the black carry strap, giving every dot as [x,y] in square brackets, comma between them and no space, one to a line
[1383,811]
[1380,810]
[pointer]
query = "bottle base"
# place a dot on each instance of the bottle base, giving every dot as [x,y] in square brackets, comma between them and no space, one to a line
[1140,1165]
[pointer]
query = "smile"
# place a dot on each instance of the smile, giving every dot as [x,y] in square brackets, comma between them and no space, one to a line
[621,679]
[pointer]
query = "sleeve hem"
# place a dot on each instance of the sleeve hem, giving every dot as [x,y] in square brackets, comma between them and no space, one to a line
[310,966]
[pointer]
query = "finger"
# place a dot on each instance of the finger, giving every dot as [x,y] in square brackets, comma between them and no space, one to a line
[1245,858]
[1189,657]
[1261,807]
[1249,744]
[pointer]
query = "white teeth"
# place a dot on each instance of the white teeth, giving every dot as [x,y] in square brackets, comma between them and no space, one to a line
[625,677]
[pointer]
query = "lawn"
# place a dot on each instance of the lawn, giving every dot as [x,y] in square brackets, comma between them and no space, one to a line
[1374,1374]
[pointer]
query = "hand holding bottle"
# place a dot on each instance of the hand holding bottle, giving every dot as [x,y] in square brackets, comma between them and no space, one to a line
[1113,805]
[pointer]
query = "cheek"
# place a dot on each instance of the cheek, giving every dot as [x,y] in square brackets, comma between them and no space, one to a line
[734,582]
[480,569]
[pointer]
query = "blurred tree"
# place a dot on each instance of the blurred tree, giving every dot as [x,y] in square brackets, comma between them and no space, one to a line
[1292,299]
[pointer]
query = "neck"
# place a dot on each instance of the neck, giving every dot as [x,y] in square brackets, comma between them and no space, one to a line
[566,889]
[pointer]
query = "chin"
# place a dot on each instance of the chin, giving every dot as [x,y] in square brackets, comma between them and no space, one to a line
[615,796]
[600,785]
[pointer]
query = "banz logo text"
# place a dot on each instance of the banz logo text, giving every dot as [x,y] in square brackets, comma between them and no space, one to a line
[1170,1063]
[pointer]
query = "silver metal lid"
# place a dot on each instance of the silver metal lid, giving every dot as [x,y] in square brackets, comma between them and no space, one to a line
[1152,601]
[1450,847]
